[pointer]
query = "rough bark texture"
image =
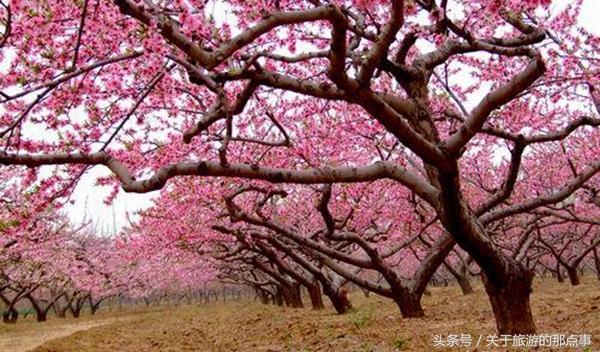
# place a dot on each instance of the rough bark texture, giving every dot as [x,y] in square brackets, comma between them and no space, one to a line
[573,276]
[339,300]
[10,315]
[510,301]
[465,285]
[410,305]
[316,298]
[295,296]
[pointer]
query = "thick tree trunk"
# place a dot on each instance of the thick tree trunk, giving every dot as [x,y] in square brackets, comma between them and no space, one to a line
[94,308]
[316,298]
[507,282]
[296,296]
[10,315]
[63,311]
[410,305]
[465,284]
[573,276]
[559,276]
[262,295]
[339,299]
[76,309]
[59,311]
[40,315]
[462,278]
[287,296]
[279,297]
[510,301]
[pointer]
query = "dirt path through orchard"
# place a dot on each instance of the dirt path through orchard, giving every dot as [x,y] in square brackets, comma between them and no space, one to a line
[27,340]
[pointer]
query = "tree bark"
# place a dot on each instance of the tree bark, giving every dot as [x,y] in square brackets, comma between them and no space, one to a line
[40,313]
[559,276]
[262,296]
[10,315]
[59,311]
[573,276]
[410,305]
[76,308]
[94,307]
[296,296]
[316,298]
[462,278]
[465,284]
[510,300]
[339,299]
[278,297]
[507,281]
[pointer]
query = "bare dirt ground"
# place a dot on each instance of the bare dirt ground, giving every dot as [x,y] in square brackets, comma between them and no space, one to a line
[30,339]
[375,325]
[28,334]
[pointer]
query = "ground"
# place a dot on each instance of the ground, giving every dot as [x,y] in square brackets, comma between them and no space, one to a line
[375,325]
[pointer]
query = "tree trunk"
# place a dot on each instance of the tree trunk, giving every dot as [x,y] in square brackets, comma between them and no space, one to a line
[465,285]
[573,276]
[278,297]
[59,311]
[296,296]
[40,313]
[462,277]
[10,315]
[76,309]
[94,308]
[510,301]
[559,274]
[316,298]
[339,299]
[410,305]
[75,313]
[63,312]
[262,295]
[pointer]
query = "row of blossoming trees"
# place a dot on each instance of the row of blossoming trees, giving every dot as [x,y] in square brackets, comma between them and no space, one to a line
[47,265]
[278,240]
[406,137]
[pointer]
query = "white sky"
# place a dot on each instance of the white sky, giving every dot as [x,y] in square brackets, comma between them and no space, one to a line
[89,199]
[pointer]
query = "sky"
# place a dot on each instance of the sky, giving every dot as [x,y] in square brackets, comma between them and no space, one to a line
[88,199]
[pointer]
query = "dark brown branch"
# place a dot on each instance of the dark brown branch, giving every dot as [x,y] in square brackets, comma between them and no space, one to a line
[79,34]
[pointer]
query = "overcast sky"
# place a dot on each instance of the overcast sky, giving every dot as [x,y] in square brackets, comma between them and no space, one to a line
[89,199]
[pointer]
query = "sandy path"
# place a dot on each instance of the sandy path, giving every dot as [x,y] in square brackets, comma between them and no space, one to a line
[28,340]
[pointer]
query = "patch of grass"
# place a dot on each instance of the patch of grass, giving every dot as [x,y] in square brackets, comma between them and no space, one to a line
[361,318]
[400,344]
